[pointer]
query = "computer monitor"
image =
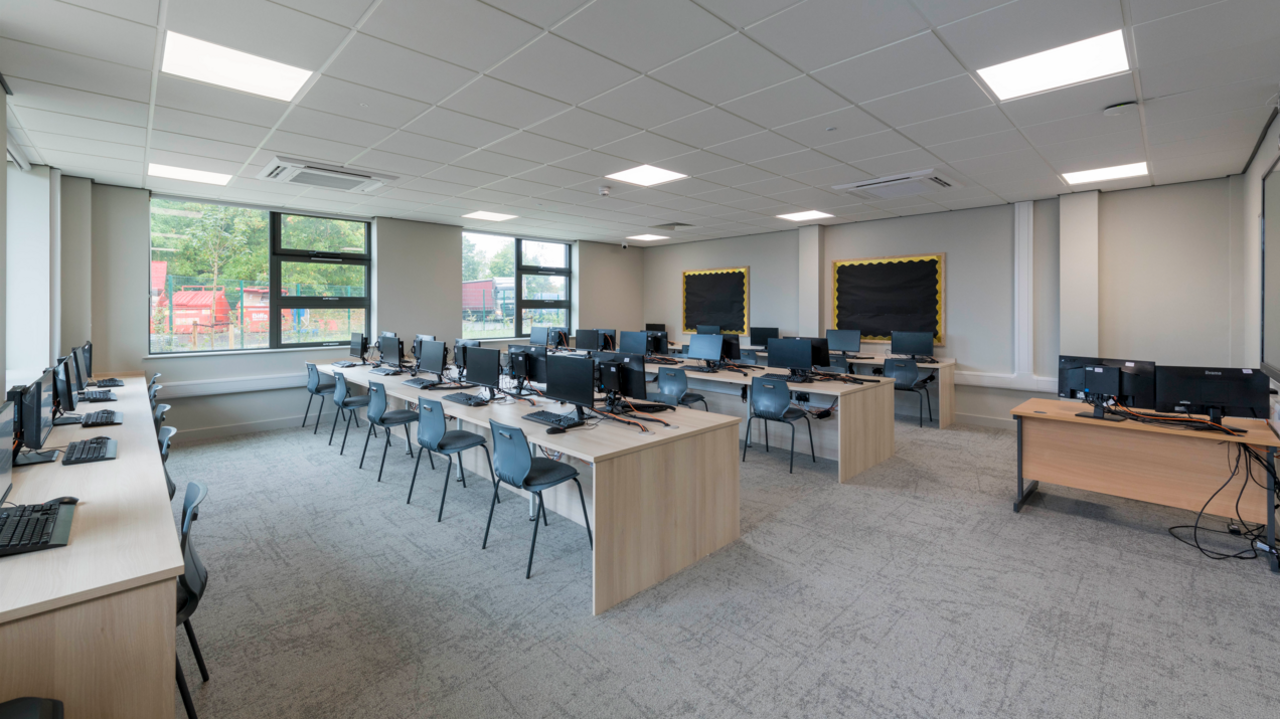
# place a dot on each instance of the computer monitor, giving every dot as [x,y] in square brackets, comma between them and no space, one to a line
[537,369]
[538,336]
[390,349]
[588,340]
[706,347]
[359,345]
[87,350]
[708,329]
[912,344]
[432,359]
[483,366]
[760,336]
[1137,379]
[731,347]
[1215,391]
[386,333]
[608,339]
[559,336]
[623,372]
[64,386]
[636,343]
[571,379]
[1097,384]
[37,411]
[82,373]
[791,354]
[821,353]
[417,344]
[460,351]
[844,340]
[6,450]
[654,327]
[657,342]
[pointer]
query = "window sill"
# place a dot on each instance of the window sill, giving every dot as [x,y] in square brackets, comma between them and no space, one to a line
[232,353]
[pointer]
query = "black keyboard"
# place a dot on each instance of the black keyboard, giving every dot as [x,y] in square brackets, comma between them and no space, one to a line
[420,383]
[564,421]
[109,382]
[469,400]
[98,449]
[344,364]
[101,418]
[779,377]
[98,395]
[32,527]
[385,371]
[705,370]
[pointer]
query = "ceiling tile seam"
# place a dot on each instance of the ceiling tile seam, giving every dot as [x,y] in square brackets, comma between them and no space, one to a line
[1176,14]
[1132,51]
[73,54]
[770,16]
[157,56]
[96,11]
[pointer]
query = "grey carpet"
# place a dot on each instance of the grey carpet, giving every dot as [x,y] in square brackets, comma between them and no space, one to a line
[915,593]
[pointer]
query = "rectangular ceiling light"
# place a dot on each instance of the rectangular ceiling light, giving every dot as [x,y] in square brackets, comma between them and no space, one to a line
[182,173]
[806,215]
[648,237]
[490,216]
[217,65]
[1105,173]
[645,176]
[1067,65]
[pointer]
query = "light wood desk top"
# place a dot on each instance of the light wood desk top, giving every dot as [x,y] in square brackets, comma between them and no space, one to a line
[123,534]
[606,440]
[1258,432]
[832,389]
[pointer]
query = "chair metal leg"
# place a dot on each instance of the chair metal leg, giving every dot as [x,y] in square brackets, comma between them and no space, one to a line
[485,544]
[792,467]
[304,414]
[534,543]
[195,649]
[493,476]
[586,518]
[445,490]
[318,413]
[367,435]
[812,452]
[748,442]
[432,461]
[335,426]
[182,688]
[766,435]
[385,446]
[415,475]
[347,431]
[462,477]
[920,411]
[928,402]
[408,441]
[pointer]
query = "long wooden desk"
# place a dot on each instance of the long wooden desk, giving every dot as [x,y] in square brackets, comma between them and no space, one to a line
[863,428]
[659,501]
[1163,465]
[92,623]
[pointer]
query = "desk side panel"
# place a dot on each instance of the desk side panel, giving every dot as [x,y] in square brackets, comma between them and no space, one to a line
[866,430]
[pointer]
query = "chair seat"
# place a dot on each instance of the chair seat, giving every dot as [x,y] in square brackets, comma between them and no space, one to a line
[325,388]
[790,415]
[691,397]
[185,606]
[458,440]
[394,417]
[545,473]
[356,400]
[663,398]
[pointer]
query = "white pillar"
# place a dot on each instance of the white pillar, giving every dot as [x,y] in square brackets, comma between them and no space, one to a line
[809,320]
[1023,297]
[1078,274]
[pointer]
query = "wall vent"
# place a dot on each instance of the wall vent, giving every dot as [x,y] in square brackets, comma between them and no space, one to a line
[313,174]
[920,182]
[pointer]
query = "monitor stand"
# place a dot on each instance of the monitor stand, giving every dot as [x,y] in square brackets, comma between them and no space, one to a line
[800,376]
[66,419]
[36,456]
[1100,412]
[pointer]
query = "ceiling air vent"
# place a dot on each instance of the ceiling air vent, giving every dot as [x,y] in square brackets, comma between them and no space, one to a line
[313,174]
[888,188]
[671,226]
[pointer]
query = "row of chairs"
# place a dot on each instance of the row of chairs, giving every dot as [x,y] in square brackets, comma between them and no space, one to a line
[512,461]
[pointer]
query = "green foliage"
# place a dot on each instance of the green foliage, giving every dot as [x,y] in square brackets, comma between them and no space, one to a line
[503,262]
[214,242]
[321,234]
[475,265]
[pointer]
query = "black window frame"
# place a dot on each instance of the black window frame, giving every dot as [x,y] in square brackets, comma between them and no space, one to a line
[566,272]
[281,255]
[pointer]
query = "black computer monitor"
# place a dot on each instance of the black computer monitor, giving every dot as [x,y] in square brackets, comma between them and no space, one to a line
[760,336]
[1215,391]
[706,347]
[636,343]
[821,353]
[538,336]
[37,411]
[87,350]
[588,340]
[359,345]
[731,347]
[417,344]
[708,329]
[460,351]
[1097,384]
[64,386]
[654,327]
[483,366]
[844,340]
[6,450]
[558,336]
[537,369]
[791,354]
[82,373]
[623,372]
[432,358]
[571,379]
[657,342]
[912,344]
[390,349]
[1137,379]
[608,339]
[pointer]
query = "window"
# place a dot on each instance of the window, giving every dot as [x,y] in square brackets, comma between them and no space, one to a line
[231,278]
[510,285]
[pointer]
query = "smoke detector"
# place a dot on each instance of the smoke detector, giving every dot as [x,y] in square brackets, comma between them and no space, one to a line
[920,182]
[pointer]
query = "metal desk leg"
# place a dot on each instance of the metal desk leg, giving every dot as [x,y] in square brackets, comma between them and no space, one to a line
[1025,489]
[1271,503]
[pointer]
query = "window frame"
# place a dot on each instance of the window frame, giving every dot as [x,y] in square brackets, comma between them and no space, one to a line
[538,270]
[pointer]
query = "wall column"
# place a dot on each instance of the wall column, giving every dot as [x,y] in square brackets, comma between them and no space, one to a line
[809,314]
[1078,274]
[1023,286]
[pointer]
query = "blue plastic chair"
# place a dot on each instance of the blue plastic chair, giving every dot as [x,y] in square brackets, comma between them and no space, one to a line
[379,416]
[316,387]
[434,436]
[348,403]
[906,378]
[771,401]
[673,389]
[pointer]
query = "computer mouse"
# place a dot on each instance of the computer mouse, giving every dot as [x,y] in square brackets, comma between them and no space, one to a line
[64,500]
[555,430]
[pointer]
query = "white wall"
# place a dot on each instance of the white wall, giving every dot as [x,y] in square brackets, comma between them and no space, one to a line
[4,229]
[1045,290]
[1251,226]
[417,279]
[76,263]
[29,223]
[608,284]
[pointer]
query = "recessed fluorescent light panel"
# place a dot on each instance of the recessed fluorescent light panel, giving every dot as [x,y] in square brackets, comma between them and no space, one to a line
[806,215]
[645,176]
[1105,173]
[217,65]
[648,237]
[1067,65]
[490,216]
[182,173]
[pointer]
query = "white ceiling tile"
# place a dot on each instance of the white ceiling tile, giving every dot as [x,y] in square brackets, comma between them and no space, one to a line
[265,199]
[738,175]
[146,12]
[393,163]
[682,204]
[218,102]
[423,148]
[722,195]
[486,161]
[826,177]
[1081,126]
[1142,11]
[918,60]
[754,148]
[1213,28]
[487,195]
[643,35]
[972,203]
[959,126]
[812,197]
[193,162]
[645,103]
[817,33]
[580,127]
[213,128]
[456,127]
[536,148]
[464,176]
[931,101]
[1214,67]
[993,144]
[790,102]
[521,187]
[427,184]
[1249,121]
[772,186]
[1017,164]
[797,162]
[1209,101]
[1025,27]
[57,123]
[367,60]
[200,146]
[413,196]
[709,127]
[1121,148]
[544,13]
[557,68]
[258,27]
[1200,167]
[729,68]
[555,176]
[64,100]
[361,103]
[832,127]
[464,32]
[1071,101]
[1206,144]
[266,187]
[85,146]
[646,148]
[595,163]
[744,13]
[342,12]
[310,148]
[941,12]
[76,30]
[500,101]
[306,121]
[689,186]
[869,146]
[898,163]
[697,163]
[32,62]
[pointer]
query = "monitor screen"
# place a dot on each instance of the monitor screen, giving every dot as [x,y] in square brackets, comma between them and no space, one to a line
[558,336]
[1197,390]
[588,340]
[37,411]
[821,353]
[6,452]
[845,340]
[417,344]
[636,343]
[608,339]
[653,327]
[790,353]
[911,343]
[760,336]
[731,346]
[483,366]
[87,351]
[64,385]
[357,345]
[390,349]
[432,359]
[78,356]
[705,347]
[538,336]
[708,329]
[460,351]
[571,379]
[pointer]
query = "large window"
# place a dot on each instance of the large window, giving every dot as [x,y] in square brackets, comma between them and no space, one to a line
[232,278]
[510,285]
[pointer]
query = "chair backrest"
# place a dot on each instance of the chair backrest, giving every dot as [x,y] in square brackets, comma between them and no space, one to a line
[163,438]
[511,458]
[154,377]
[431,423]
[750,357]
[673,381]
[904,372]
[195,577]
[159,415]
[339,388]
[770,398]
[313,377]
[377,402]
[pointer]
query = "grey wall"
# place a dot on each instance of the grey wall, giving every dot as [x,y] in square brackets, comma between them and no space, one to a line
[608,286]
[1045,290]
[4,221]
[120,276]
[29,223]
[417,286]
[774,263]
[77,262]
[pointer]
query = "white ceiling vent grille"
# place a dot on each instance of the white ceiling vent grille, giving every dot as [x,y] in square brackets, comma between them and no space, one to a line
[920,182]
[313,174]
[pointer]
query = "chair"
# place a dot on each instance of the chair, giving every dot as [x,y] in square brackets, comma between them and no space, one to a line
[158,417]
[153,379]
[673,388]
[152,392]
[378,415]
[771,401]
[434,436]
[348,402]
[31,708]
[191,586]
[316,387]
[750,357]
[906,378]
[163,437]
[517,466]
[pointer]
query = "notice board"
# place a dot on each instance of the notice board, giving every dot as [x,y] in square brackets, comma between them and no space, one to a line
[718,297]
[883,294]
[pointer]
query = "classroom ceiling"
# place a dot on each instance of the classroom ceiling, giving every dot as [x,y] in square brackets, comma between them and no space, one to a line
[522,106]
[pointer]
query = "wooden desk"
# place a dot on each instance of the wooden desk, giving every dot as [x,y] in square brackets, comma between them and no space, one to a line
[660,501]
[1168,466]
[861,435]
[92,623]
